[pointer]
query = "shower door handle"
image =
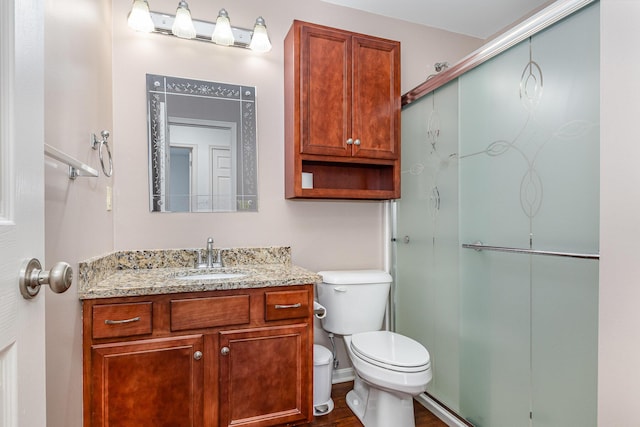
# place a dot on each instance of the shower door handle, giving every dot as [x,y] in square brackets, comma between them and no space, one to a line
[405,239]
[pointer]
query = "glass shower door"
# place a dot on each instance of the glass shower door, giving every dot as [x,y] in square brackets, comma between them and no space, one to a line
[529,179]
[507,155]
[427,236]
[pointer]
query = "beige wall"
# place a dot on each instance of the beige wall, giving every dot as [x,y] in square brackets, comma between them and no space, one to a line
[78,102]
[619,323]
[95,79]
[323,235]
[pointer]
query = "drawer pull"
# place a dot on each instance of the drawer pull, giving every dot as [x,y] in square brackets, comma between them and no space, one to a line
[120,322]
[296,305]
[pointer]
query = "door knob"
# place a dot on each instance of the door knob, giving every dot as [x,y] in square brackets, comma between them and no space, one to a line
[32,276]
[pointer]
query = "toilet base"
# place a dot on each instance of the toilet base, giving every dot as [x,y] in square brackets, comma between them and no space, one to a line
[380,408]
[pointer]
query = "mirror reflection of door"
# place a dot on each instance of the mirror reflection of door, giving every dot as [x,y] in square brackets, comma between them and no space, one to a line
[202,165]
[221,179]
[180,164]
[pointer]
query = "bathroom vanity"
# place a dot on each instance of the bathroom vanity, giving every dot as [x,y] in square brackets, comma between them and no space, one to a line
[161,348]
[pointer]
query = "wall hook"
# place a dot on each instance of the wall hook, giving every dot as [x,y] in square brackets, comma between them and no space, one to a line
[97,144]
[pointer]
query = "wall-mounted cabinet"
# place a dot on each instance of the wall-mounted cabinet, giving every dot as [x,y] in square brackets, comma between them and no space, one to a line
[342,114]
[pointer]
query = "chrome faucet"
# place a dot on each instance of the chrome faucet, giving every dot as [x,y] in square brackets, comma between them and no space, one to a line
[209,263]
[210,252]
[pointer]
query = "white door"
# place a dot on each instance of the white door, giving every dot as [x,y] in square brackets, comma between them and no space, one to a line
[222,188]
[22,348]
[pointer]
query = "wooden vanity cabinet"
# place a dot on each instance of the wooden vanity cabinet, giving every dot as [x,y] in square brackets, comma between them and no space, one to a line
[342,113]
[260,375]
[151,382]
[221,358]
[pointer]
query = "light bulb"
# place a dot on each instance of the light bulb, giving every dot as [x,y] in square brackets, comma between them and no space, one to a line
[183,25]
[260,39]
[139,17]
[222,34]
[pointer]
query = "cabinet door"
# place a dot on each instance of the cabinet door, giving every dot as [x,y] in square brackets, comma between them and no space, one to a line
[266,376]
[325,86]
[156,382]
[376,98]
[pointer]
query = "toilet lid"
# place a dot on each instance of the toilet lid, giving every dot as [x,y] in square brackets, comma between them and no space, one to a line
[391,349]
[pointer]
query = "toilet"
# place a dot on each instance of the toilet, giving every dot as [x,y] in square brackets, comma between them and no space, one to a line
[389,368]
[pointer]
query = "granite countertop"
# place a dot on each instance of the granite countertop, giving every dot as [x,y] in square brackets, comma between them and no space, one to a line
[139,273]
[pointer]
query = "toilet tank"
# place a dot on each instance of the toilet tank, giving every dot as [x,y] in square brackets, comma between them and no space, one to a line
[355,300]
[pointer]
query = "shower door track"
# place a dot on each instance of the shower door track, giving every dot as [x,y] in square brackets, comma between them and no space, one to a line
[479,246]
[546,17]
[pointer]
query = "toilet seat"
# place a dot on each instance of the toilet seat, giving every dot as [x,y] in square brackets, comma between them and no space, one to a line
[390,350]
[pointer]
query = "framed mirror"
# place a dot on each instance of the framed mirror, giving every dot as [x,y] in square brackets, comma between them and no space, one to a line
[202,146]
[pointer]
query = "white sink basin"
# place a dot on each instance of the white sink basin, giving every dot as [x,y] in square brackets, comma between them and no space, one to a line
[211,276]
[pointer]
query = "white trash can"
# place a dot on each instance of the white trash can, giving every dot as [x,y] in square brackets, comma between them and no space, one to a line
[322,373]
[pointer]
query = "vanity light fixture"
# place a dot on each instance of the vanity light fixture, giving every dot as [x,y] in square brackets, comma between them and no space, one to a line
[222,33]
[260,40]
[182,25]
[139,17]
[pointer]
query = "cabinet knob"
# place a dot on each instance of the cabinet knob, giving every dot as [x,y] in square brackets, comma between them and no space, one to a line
[356,142]
[224,351]
[197,355]
[349,141]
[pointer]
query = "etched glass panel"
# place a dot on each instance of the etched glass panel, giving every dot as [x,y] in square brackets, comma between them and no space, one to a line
[427,265]
[529,178]
[513,337]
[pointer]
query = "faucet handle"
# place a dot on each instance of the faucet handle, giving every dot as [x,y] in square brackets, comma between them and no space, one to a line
[199,262]
[218,261]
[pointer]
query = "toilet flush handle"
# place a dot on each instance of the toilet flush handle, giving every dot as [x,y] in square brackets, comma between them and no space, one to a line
[341,289]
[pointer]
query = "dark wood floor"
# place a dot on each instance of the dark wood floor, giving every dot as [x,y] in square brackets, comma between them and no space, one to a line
[341,416]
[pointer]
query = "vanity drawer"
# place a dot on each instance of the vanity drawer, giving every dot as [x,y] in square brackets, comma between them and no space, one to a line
[198,313]
[286,304]
[122,320]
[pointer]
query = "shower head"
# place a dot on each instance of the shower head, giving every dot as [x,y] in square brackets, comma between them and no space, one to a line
[439,66]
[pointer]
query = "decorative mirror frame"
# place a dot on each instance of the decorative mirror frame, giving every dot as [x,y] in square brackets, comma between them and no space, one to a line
[158,88]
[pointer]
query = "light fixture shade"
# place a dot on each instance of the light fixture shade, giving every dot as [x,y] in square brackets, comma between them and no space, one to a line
[183,25]
[139,18]
[260,39]
[222,34]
